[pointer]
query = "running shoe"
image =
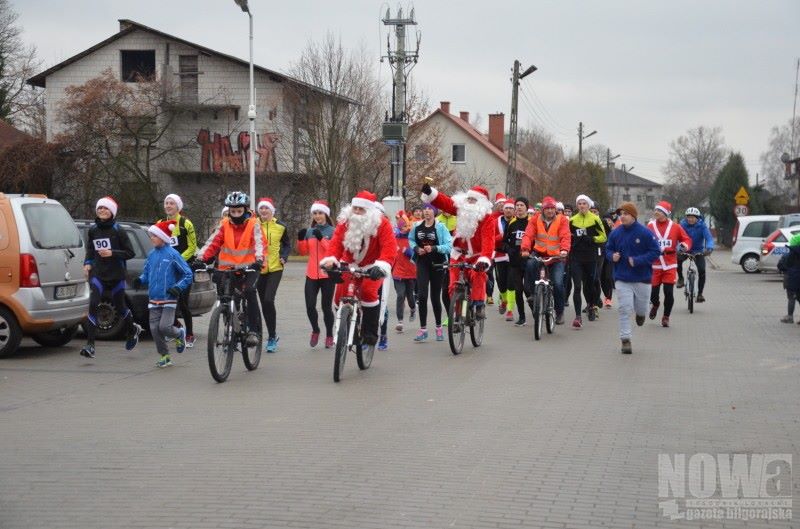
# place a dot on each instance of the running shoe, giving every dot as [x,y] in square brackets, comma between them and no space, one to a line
[190,340]
[439,334]
[577,323]
[328,342]
[383,343]
[399,327]
[509,316]
[654,310]
[607,303]
[502,307]
[88,350]
[314,339]
[133,339]
[165,361]
[421,336]
[272,344]
[665,321]
[180,341]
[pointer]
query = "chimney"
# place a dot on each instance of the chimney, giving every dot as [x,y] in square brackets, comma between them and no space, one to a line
[464,116]
[496,130]
[445,106]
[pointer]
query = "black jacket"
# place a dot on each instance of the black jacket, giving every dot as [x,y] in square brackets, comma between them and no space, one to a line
[107,235]
[512,240]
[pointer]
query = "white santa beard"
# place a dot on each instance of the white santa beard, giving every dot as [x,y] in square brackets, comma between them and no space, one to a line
[359,227]
[469,215]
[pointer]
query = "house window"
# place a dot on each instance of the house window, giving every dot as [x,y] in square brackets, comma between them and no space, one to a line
[459,153]
[138,65]
[187,68]
[651,201]
[421,154]
[626,198]
[639,198]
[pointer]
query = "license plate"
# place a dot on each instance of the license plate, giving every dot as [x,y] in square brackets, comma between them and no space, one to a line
[66,291]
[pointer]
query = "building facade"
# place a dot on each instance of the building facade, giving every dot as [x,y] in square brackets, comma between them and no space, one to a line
[624,186]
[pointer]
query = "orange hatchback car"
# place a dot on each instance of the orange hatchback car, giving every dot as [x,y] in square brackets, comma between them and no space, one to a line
[43,292]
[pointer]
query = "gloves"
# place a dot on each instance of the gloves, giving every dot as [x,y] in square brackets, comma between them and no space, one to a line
[426,188]
[481,266]
[137,284]
[375,273]
[174,292]
[258,265]
[301,234]
[197,264]
[317,233]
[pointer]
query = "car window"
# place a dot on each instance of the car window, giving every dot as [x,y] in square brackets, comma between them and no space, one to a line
[135,243]
[754,229]
[50,226]
[769,227]
[780,238]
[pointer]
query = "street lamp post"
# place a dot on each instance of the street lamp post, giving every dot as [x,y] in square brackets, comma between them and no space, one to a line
[251,111]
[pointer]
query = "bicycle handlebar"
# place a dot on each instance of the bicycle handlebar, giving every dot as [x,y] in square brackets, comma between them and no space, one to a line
[349,268]
[545,260]
[464,265]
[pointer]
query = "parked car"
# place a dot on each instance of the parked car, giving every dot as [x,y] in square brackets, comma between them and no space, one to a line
[789,220]
[774,247]
[110,325]
[748,235]
[43,293]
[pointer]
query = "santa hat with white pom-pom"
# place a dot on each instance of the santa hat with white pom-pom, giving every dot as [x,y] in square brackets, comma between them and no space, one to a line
[163,230]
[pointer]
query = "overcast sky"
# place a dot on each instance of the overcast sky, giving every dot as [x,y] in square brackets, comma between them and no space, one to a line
[639,72]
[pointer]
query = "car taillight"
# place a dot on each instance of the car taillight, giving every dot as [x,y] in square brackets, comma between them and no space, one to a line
[28,271]
[735,233]
[766,248]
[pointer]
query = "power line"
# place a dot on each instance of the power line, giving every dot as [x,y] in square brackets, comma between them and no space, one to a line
[545,126]
[545,116]
[547,112]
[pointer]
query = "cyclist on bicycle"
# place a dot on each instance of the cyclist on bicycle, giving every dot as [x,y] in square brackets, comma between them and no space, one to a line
[702,245]
[671,238]
[548,235]
[238,242]
[474,238]
[364,237]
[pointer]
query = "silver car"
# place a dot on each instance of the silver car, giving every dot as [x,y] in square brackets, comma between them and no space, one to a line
[774,247]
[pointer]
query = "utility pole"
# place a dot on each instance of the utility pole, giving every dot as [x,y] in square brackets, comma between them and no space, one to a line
[395,128]
[511,172]
[581,137]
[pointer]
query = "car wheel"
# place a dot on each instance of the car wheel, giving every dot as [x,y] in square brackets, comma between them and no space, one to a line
[109,324]
[749,263]
[57,337]
[10,333]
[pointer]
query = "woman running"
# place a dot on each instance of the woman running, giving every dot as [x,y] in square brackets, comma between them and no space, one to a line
[313,242]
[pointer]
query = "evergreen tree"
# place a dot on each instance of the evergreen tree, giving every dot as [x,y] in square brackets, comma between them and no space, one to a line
[732,177]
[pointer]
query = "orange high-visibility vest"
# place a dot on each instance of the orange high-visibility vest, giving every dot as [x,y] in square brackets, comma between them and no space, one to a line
[233,255]
[548,242]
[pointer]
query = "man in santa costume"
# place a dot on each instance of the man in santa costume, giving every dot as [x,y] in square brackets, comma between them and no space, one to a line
[671,238]
[364,237]
[474,237]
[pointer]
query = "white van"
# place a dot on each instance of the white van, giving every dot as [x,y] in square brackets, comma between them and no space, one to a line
[748,235]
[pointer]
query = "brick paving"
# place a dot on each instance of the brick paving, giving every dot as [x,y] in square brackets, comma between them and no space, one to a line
[560,433]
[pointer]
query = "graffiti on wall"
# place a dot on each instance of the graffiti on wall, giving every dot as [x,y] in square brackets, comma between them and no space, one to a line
[217,154]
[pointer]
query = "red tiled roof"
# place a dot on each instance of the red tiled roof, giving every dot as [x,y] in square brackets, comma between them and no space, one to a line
[482,140]
[9,135]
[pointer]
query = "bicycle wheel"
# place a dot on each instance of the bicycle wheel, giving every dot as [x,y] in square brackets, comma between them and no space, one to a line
[550,313]
[456,329]
[538,311]
[363,354]
[690,291]
[251,355]
[476,332]
[341,341]
[220,344]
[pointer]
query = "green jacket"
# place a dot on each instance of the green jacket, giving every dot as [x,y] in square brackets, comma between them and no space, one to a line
[449,221]
[276,244]
[185,237]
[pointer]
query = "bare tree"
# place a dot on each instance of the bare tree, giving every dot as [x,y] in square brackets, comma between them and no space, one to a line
[120,138]
[20,103]
[780,139]
[336,130]
[694,162]
[539,146]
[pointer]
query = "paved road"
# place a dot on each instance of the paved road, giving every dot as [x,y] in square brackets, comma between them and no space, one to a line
[561,433]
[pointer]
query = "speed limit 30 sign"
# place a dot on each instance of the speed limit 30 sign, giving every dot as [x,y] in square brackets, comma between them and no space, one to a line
[741,210]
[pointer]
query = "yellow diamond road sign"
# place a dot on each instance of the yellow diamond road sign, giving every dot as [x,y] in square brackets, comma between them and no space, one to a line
[742,197]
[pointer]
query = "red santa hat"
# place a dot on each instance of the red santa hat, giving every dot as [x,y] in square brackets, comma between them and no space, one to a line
[321,206]
[508,204]
[664,207]
[108,202]
[548,202]
[364,199]
[162,230]
[267,203]
[175,198]
[499,197]
[478,193]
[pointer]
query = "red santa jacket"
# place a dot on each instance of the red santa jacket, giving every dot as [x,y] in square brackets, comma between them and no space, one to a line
[668,236]
[479,247]
[500,229]
[379,250]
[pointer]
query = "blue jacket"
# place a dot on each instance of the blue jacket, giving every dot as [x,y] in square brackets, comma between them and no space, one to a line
[164,269]
[700,234]
[443,237]
[633,241]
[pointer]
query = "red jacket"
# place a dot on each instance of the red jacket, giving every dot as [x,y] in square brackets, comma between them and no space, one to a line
[480,247]
[315,250]
[668,235]
[380,249]
[500,228]
[403,267]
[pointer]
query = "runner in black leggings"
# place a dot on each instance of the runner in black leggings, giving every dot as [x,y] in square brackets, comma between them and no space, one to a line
[430,241]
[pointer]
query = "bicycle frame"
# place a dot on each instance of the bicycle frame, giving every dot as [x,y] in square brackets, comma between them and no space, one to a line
[353,299]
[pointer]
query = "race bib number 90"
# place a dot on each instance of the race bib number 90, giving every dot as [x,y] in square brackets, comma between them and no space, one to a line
[102,244]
